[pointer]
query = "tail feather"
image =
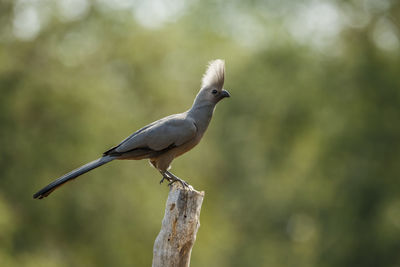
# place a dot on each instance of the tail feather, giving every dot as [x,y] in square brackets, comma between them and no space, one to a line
[71,175]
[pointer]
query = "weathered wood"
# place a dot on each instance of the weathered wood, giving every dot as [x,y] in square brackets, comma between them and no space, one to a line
[173,245]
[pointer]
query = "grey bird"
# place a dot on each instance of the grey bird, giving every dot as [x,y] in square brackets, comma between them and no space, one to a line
[163,140]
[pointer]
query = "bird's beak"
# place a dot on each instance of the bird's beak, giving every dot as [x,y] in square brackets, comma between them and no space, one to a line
[225,93]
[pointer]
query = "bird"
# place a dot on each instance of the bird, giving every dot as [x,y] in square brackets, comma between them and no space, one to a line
[163,140]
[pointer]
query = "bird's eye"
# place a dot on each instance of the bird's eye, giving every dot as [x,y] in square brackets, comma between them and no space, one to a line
[214,92]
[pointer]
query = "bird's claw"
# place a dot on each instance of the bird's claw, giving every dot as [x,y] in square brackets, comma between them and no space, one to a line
[165,178]
[171,178]
[182,182]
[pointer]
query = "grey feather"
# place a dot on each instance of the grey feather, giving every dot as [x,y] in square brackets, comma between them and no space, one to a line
[215,74]
[72,175]
[173,130]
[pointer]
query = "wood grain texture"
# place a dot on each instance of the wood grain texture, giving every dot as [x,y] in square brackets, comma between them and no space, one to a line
[173,245]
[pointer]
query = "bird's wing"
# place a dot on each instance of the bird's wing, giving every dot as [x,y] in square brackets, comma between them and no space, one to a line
[174,130]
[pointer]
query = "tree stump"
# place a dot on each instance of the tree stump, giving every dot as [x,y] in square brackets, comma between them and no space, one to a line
[173,245]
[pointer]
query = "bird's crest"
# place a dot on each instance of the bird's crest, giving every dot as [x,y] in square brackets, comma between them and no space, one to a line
[214,75]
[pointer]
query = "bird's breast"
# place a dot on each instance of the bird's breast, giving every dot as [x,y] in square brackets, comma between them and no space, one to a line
[177,151]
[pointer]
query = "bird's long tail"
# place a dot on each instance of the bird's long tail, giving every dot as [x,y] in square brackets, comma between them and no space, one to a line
[72,175]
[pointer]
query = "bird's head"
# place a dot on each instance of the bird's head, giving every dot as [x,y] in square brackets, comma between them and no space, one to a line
[212,83]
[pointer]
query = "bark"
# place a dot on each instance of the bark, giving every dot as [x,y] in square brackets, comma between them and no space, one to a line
[173,245]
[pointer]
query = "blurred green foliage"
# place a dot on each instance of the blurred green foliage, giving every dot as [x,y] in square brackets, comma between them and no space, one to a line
[300,167]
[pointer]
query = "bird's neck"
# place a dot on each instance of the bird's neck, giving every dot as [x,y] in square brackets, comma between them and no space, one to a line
[201,113]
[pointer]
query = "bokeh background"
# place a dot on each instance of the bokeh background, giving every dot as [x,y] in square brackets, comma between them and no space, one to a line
[300,166]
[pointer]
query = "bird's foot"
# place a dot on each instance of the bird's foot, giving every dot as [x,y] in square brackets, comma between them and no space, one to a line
[165,178]
[171,178]
[182,182]
[174,178]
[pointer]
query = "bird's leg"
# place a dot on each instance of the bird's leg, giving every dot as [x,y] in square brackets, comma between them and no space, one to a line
[175,179]
[165,177]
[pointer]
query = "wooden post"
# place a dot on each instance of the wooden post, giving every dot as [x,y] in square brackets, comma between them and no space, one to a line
[173,245]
